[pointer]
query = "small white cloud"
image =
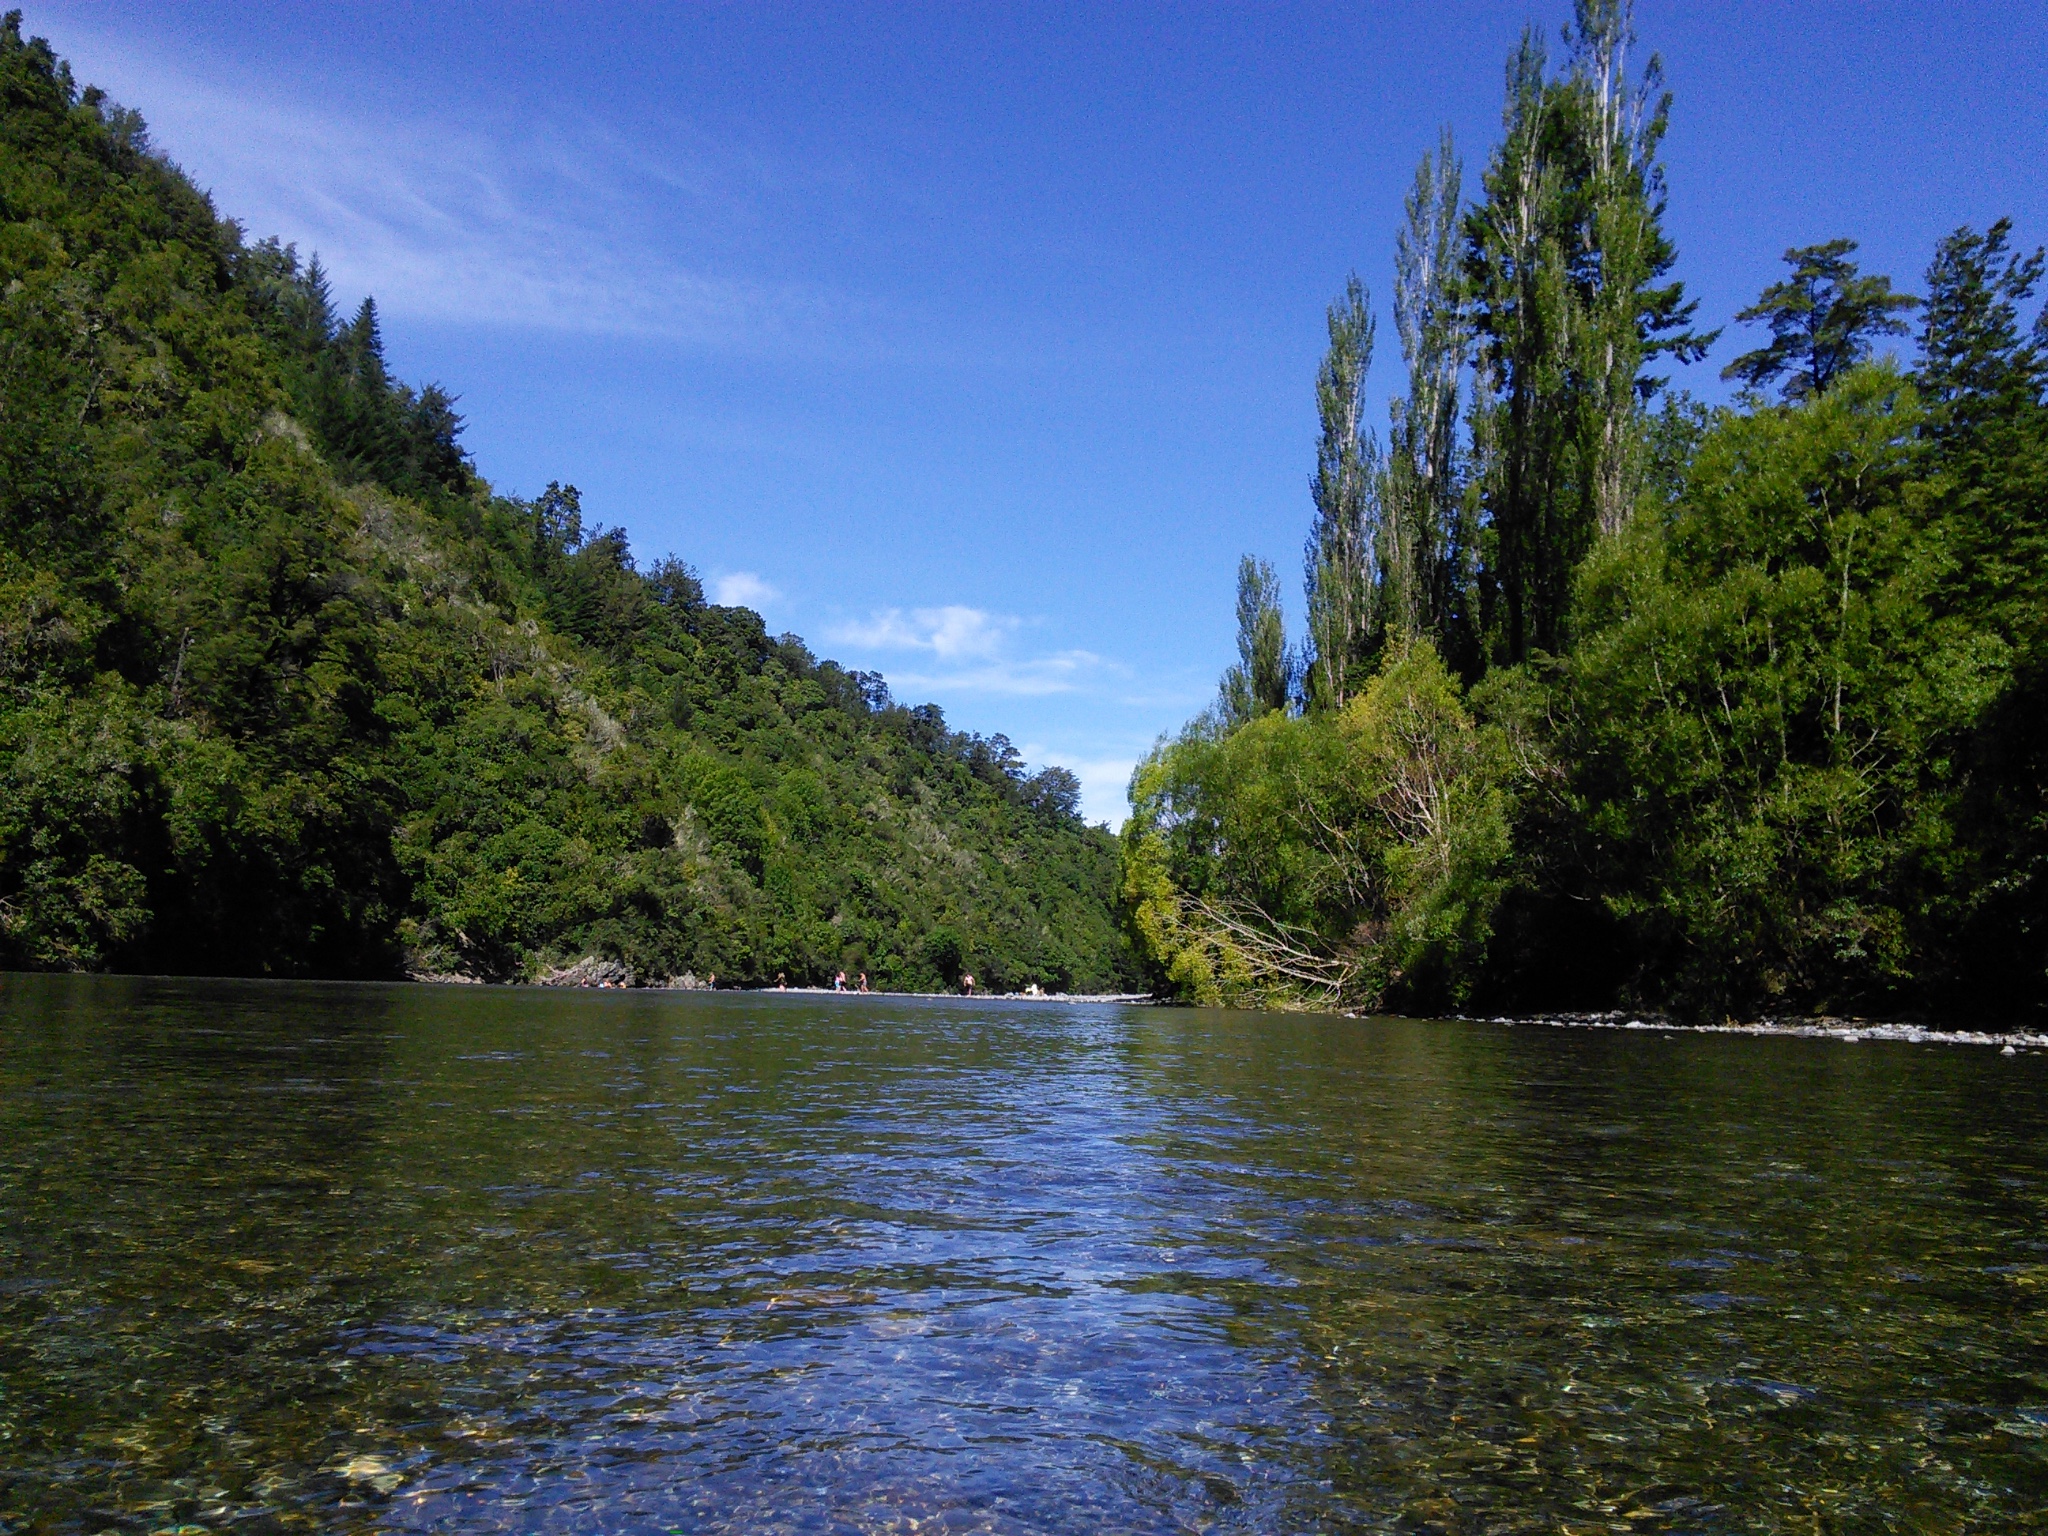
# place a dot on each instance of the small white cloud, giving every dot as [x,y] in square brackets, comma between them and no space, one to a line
[742,589]
[952,633]
[972,649]
[958,631]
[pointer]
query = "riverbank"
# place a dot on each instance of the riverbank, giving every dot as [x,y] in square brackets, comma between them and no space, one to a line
[1127,998]
[610,975]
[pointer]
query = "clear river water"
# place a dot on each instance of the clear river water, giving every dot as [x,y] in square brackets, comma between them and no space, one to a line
[321,1258]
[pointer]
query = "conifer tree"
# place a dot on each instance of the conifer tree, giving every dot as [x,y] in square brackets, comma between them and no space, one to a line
[319,303]
[1976,363]
[1822,321]
[361,345]
[1983,379]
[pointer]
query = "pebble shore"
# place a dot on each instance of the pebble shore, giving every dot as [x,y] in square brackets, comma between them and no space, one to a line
[1848,1031]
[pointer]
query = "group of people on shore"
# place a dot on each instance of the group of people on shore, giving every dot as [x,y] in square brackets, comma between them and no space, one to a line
[839,983]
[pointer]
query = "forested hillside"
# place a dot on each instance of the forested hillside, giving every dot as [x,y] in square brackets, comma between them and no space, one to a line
[1607,698]
[286,687]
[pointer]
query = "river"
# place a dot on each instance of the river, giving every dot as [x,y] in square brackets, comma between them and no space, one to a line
[280,1257]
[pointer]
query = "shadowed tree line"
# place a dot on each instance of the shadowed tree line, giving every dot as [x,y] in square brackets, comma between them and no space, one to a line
[1608,698]
[286,687]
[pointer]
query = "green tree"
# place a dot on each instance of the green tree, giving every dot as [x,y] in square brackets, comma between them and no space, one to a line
[1984,376]
[1262,679]
[1565,264]
[1977,364]
[1758,691]
[1340,857]
[1822,320]
[1630,317]
[1431,546]
[1342,571]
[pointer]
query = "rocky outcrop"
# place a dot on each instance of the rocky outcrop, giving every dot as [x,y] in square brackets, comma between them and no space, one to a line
[590,971]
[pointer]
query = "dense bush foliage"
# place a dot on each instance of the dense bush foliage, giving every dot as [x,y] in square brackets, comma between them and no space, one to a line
[1780,707]
[285,687]
[1325,857]
[1749,714]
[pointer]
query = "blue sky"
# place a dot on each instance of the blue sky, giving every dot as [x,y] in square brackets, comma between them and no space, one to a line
[975,343]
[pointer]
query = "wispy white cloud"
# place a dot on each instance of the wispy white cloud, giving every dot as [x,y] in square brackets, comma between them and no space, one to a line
[545,227]
[742,589]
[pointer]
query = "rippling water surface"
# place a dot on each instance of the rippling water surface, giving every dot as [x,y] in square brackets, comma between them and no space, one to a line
[361,1258]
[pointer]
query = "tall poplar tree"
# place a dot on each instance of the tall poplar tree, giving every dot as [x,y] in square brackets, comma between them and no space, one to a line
[1564,263]
[1262,679]
[1427,545]
[1630,316]
[1342,558]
